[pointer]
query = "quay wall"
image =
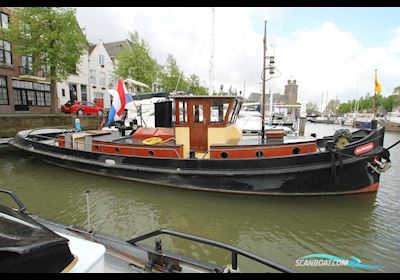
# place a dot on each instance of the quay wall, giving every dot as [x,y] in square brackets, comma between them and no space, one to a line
[11,123]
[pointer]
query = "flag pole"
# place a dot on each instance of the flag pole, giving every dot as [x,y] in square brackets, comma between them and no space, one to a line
[374,108]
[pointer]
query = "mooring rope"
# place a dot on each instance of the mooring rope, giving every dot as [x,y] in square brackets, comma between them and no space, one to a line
[393,145]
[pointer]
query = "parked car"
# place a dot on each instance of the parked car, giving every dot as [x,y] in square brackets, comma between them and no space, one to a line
[82,108]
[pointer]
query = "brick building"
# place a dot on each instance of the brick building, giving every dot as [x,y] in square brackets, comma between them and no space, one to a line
[21,88]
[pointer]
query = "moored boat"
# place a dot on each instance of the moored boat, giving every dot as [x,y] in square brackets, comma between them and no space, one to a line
[204,150]
[391,121]
[29,243]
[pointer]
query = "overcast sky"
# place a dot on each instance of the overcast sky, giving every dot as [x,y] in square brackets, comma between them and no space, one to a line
[332,50]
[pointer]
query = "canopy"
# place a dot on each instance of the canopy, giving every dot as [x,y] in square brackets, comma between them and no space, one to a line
[137,83]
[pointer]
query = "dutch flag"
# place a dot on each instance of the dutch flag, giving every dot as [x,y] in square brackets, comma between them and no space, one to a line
[121,97]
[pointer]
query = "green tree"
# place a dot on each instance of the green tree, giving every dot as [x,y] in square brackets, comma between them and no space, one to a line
[333,105]
[195,87]
[390,102]
[346,107]
[396,90]
[311,108]
[172,78]
[137,62]
[51,36]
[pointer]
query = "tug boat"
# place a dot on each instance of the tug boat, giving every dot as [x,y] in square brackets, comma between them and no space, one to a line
[203,149]
[29,243]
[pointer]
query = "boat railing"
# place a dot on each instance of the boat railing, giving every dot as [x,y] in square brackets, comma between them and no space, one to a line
[134,149]
[223,149]
[21,206]
[66,128]
[232,249]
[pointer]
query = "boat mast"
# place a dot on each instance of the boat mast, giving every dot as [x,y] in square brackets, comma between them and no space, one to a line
[263,85]
[210,89]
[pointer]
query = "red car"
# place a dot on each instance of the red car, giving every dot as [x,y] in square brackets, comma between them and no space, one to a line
[82,108]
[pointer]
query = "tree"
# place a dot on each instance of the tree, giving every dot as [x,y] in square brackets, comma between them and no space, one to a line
[390,102]
[345,107]
[137,62]
[52,37]
[195,87]
[172,78]
[396,90]
[311,108]
[332,106]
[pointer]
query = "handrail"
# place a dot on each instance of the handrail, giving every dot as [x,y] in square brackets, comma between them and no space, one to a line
[222,148]
[22,207]
[234,250]
[56,127]
[116,145]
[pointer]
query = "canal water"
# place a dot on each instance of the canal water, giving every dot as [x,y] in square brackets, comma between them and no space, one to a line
[282,229]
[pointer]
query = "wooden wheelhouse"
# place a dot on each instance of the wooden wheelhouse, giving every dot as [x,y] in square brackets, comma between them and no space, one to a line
[204,121]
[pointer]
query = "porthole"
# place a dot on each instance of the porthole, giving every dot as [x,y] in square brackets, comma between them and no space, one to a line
[151,153]
[295,151]
[224,154]
[259,154]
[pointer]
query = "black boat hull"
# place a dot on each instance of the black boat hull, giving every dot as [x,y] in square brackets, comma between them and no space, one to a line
[313,174]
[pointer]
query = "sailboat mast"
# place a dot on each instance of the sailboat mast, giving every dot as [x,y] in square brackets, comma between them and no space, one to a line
[210,89]
[263,85]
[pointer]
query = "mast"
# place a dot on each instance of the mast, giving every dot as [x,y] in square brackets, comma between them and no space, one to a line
[263,85]
[210,89]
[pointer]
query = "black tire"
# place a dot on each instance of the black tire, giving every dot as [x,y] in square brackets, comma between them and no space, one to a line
[80,112]
[342,133]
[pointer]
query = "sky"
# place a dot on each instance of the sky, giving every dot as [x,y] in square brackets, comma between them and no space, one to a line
[330,51]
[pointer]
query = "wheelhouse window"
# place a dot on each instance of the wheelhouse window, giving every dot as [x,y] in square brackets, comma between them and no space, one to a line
[182,112]
[235,111]
[218,111]
[5,53]
[3,91]
[198,112]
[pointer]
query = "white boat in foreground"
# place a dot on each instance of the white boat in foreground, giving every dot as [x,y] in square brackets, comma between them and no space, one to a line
[29,243]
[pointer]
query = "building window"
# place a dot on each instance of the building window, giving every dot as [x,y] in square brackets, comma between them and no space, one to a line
[102,79]
[84,92]
[92,76]
[101,59]
[4,20]
[27,64]
[47,98]
[5,53]
[3,91]
[30,93]
[40,98]
[111,83]
[63,92]
[31,98]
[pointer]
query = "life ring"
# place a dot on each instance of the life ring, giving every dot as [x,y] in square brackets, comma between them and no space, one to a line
[153,141]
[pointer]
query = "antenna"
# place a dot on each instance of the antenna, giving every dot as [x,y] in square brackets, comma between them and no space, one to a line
[210,89]
[263,85]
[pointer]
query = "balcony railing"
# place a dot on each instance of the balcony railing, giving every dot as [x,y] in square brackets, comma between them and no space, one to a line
[28,71]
